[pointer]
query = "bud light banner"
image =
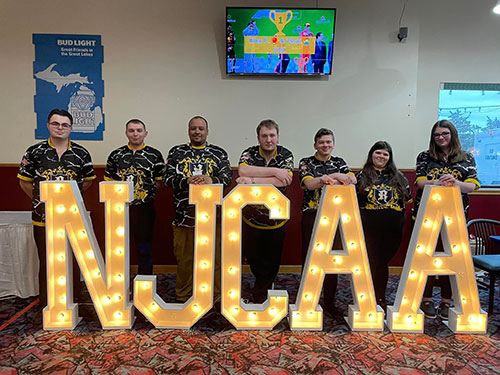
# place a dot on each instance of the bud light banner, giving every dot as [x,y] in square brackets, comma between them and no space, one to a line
[68,75]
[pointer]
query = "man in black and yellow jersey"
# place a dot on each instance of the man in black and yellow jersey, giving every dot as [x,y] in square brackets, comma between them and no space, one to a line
[56,159]
[262,237]
[197,162]
[315,172]
[144,166]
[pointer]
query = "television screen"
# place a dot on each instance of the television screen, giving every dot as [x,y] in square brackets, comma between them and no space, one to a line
[278,41]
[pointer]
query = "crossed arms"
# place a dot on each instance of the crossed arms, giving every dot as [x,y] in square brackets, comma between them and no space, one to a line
[250,174]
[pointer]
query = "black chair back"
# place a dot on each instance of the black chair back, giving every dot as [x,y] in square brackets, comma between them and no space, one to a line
[482,229]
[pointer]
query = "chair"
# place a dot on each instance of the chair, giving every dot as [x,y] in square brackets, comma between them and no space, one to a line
[484,256]
[482,229]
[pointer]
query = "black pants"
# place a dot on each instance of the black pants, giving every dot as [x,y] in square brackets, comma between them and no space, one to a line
[330,283]
[39,235]
[263,249]
[383,231]
[142,221]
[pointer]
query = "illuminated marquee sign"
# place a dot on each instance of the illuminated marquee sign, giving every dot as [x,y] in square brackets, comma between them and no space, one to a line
[69,229]
[441,211]
[185,315]
[241,315]
[338,206]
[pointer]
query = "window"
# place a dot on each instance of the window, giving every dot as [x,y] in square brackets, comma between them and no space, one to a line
[474,108]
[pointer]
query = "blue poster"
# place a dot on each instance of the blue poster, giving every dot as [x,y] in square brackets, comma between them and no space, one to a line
[68,75]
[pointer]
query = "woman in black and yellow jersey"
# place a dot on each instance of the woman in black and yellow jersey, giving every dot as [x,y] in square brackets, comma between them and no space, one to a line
[382,193]
[444,164]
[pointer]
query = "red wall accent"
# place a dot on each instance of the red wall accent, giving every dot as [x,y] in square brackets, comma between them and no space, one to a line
[12,198]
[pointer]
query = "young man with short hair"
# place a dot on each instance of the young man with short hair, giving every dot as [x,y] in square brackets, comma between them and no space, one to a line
[315,172]
[54,159]
[144,166]
[265,163]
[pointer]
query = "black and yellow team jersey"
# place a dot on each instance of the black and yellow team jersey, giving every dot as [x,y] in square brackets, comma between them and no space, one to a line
[143,167]
[430,169]
[258,215]
[185,161]
[312,167]
[381,195]
[41,163]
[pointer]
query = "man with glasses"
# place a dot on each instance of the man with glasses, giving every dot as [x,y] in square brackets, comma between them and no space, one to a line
[144,166]
[55,159]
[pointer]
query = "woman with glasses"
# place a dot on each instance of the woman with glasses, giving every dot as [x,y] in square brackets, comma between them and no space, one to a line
[382,193]
[444,164]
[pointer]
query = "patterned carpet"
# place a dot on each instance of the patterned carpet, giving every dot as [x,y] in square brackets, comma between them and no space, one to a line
[213,346]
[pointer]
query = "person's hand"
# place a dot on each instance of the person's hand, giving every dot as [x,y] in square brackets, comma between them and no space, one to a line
[284,176]
[200,179]
[243,180]
[447,180]
[352,179]
[343,179]
[204,179]
[327,180]
[434,182]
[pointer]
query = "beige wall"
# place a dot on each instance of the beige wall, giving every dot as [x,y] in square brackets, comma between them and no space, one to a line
[164,62]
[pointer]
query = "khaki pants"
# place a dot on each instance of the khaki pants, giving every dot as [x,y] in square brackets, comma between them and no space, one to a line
[184,253]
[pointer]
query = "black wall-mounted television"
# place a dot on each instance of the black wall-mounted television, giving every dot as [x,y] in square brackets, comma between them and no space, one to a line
[279,41]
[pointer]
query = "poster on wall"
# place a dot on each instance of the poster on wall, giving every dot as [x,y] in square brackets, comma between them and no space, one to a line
[68,75]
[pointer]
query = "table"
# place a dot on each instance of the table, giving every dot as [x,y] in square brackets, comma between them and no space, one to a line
[18,255]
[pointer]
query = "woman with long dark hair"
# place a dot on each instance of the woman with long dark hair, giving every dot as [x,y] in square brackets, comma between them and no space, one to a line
[444,164]
[382,193]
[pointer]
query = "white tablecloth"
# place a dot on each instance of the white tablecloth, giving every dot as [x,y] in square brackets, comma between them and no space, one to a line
[18,255]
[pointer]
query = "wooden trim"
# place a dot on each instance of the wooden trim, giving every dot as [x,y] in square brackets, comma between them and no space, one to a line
[407,170]
[486,191]
[235,168]
[481,191]
[246,269]
[393,270]
[16,165]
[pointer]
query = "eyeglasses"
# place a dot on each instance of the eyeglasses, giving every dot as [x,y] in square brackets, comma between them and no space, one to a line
[443,134]
[64,125]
